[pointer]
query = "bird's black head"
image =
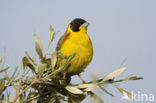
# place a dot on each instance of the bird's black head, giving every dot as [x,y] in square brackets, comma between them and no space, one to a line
[76,23]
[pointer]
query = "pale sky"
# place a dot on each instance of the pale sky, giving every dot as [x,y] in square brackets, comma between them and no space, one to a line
[119,29]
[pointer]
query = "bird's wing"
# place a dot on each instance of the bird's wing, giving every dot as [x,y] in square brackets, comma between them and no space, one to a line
[61,40]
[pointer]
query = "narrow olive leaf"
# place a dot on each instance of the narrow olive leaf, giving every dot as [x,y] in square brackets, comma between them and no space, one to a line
[126,94]
[96,97]
[95,77]
[138,78]
[134,77]
[31,67]
[83,86]
[33,101]
[113,74]
[21,99]
[31,59]
[0,60]
[9,98]
[41,69]
[106,91]
[91,87]
[5,101]
[51,34]
[38,50]
[3,70]
[63,67]
[3,59]
[13,75]
[37,40]
[18,100]
[131,77]
[19,71]
[87,87]
[25,62]
[53,59]
[73,90]
[69,59]
[2,83]
[122,63]
[15,70]
[38,46]
[34,61]
[6,75]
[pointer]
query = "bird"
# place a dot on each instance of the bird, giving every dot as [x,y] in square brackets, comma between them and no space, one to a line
[76,40]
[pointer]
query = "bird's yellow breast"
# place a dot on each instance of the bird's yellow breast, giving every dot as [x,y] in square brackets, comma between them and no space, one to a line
[79,43]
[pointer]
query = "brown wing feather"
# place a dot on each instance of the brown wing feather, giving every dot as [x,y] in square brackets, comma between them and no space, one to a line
[61,40]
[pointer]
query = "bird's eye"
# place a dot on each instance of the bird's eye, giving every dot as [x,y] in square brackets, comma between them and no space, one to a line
[75,27]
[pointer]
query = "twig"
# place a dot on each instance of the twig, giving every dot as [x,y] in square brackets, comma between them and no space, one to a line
[19,86]
[27,101]
[20,80]
[19,93]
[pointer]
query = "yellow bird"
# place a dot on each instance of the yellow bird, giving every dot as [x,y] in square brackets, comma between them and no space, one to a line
[76,40]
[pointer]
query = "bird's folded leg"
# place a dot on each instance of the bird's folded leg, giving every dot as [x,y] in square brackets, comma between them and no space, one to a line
[66,79]
[83,81]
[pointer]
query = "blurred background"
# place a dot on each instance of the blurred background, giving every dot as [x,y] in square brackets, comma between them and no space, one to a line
[119,29]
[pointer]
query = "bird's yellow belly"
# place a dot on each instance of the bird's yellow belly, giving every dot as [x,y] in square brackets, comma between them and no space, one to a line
[84,54]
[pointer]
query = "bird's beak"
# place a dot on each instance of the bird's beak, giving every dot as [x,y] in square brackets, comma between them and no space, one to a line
[85,25]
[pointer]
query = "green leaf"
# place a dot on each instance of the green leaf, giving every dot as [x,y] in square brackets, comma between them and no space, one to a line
[25,62]
[106,91]
[10,98]
[2,83]
[38,50]
[41,69]
[73,90]
[137,78]
[87,87]
[7,78]
[0,60]
[33,60]
[19,71]
[51,34]
[96,98]
[113,74]
[133,77]
[83,86]
[13,75]
[18,100]
[21,99]
[33,101]
[37,39]
[91,87]
[53,59]
[31,67]
[38,46]
[3,70]
[3,59]
[125,93]
[62,68]
[69,59]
